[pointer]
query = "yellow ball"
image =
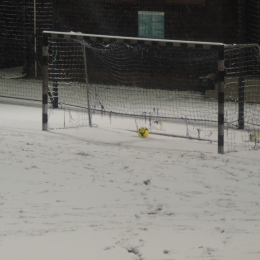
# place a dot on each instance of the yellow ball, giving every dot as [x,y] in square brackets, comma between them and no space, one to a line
[143,132]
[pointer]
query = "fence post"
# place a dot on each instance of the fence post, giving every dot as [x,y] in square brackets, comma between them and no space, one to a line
[35,37]
[87,85]
[221,77]
[55,100]
[241,81]
[45,88]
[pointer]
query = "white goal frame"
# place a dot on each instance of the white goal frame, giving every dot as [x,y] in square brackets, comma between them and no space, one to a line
[219,47]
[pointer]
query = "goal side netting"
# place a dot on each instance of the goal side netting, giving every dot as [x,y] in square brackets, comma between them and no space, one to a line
[242,97]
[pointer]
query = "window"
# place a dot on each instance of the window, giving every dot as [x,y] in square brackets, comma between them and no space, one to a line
[151,24]
[186,2]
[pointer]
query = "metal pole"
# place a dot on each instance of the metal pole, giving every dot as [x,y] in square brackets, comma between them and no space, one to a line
[221,77]
[45,88]
[87,86]
[241,97]
[35,39]
[54,11]
[55,100]
[241,81]
[258,22]
[25,39]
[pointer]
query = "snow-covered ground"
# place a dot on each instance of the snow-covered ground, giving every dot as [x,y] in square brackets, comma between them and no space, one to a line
[184,113]
[101,194]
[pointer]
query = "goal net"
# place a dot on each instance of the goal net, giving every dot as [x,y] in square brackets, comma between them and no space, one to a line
[242,97]
[172,87]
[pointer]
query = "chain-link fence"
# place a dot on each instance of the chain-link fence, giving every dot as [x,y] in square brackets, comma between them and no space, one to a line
[229,22]
[22,23]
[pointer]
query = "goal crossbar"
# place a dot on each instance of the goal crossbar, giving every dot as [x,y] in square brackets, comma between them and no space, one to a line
[133,40]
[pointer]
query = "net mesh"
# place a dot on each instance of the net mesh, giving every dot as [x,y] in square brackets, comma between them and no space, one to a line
[252,21]
[242,95]
[137,80]
[146,82]
[20,63]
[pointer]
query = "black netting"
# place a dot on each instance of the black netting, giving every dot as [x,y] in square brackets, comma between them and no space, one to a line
[252,26]
[145,67]
[135,80]
[22,23]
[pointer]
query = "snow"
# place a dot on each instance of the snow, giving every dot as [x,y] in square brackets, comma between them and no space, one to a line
[103,193]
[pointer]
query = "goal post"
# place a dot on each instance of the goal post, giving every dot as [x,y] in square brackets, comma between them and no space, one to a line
[136,77]
[221,98]
[45,88]
[87,86]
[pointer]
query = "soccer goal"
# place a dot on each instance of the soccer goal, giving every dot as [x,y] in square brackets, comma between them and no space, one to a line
[162,84]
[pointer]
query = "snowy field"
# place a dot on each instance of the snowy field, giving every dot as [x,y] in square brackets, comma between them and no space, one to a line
[106,194]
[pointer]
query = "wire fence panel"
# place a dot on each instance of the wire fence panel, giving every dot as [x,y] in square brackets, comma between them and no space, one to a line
[22,23]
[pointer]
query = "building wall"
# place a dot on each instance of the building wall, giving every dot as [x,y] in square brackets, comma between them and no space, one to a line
[204,20]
